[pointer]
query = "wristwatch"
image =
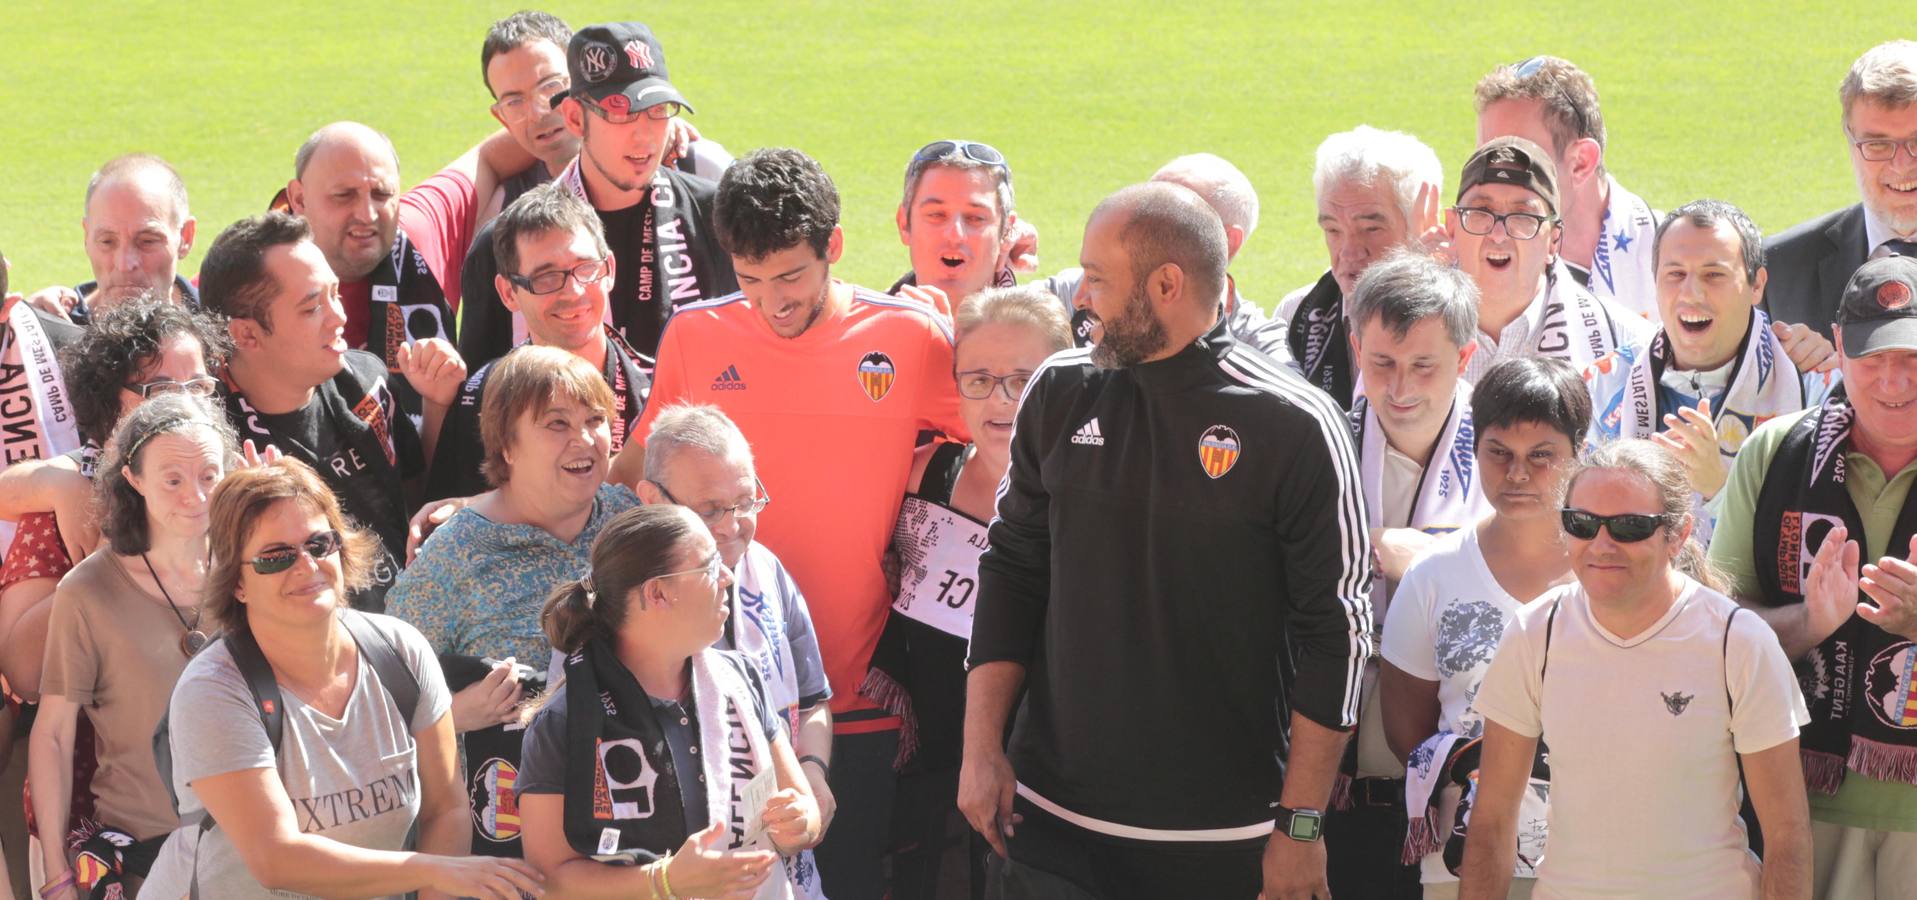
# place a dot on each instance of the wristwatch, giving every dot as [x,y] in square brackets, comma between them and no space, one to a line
[1301,824]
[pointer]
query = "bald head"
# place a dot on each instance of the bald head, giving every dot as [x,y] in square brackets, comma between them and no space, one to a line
[346,184]
[349,137]
[137,228]
[1223,187]
[1167,224]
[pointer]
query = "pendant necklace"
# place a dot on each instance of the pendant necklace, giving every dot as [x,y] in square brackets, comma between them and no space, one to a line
[194,639]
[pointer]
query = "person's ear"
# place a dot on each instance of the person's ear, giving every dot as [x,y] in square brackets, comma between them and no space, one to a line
[574,115]
[905,226]
[1166,285]
[1234,238]
[246,333]
[187,230]
[835,245]
[296,197]
[1757,286]
[1464,355]
[505,290]
[650,494]
[126,472]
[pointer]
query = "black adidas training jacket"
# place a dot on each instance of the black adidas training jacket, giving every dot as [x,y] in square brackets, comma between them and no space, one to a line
[1180,559]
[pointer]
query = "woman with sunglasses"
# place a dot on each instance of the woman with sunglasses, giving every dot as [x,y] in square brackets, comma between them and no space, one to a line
[476,588]
[1002,336]
[659,769]
[1657,692]
[328,811]
[1459,597]
[108,646]
[142,348]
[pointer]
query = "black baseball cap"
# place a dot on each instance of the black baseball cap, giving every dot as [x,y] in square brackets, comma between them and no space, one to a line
[618,59]
[1879,309]
[1512,160]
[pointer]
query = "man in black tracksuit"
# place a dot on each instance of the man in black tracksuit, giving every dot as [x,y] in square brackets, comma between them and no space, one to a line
[1178,580]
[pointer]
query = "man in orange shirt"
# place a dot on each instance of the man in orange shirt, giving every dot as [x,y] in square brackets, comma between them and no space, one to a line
[832,384]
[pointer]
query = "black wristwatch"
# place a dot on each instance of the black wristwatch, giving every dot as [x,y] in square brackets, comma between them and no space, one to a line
[1301,824]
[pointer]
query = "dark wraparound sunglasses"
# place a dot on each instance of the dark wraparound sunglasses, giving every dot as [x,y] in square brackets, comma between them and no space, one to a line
[279,559]
[1628,528]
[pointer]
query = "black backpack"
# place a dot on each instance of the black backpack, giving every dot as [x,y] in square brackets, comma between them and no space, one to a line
[376,647]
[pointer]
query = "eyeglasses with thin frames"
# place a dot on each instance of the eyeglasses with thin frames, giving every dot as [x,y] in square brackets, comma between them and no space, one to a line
[978,384]
[714,570]
[539,102]
[760,500]
[1521,226]
[198,386]
[1883,149]
[551,281]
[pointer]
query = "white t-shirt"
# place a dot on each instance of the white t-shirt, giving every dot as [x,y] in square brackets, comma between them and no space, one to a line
[1643,737]
[1444,625]
[353,779]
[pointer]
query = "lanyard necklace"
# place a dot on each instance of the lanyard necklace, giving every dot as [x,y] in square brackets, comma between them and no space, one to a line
[194,638]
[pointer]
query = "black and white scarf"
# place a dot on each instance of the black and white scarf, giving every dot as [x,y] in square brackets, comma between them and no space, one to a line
[622,791]
[1859,683]
[1320,340]
[671,254]
[406,305]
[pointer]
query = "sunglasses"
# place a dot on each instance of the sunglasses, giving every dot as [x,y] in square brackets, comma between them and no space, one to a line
[984,154]
[279,559]
[1628,528]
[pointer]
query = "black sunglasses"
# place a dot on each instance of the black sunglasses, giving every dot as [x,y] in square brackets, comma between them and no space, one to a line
[275,561]
[1628,528]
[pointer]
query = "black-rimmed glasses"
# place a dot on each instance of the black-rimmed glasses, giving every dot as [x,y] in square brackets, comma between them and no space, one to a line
[550,282]
[1521,226]
[978,384]
[279,559]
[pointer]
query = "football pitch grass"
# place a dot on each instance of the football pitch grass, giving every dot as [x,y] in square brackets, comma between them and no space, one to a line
[1734,101]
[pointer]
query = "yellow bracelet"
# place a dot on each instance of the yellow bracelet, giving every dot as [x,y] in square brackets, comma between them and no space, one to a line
[652,880]
[665,879]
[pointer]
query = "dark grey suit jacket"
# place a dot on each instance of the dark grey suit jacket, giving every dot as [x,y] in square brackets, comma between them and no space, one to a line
[1809,265]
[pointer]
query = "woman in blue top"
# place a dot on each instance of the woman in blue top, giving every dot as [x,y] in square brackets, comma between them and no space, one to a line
[476,588]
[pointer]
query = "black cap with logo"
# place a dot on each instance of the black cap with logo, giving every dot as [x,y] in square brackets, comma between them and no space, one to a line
[1879,309]
[620,66]
[1512,160]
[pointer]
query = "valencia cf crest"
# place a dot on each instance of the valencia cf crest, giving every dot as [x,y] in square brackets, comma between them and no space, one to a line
[495,802]
[1218,450]
[876,375]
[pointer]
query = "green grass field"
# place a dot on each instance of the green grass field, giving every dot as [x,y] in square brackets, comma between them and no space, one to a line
[1713,99]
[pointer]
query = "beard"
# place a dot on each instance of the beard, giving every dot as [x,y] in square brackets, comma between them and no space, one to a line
[1133,337]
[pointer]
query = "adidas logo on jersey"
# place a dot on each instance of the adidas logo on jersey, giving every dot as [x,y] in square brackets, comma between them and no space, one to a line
[729,380]
[1088,433]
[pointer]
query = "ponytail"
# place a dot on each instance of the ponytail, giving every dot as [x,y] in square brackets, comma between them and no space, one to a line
[568,616]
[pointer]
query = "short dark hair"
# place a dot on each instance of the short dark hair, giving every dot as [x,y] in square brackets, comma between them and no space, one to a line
[1707,214]
[122,509]
[1532,389]
[518,30]
[549,207]
[120,342]
[773,199]
[1169,223]
[234,281]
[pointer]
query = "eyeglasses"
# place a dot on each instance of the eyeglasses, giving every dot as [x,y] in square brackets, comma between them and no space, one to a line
[1521,226]
[1884,149]
[978,384]
[520,106]
[760,500]
[550,282]
[715,570]
[1628,528]
[655,112]
[275,561]
[198,386]
[1528,67]
[985,154]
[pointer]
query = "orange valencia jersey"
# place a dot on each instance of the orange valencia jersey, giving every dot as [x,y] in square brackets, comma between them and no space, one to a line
[833,416]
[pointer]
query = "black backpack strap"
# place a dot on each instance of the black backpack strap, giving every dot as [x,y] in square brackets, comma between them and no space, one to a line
[383,656]
[1550,619]
[1725,650]
[266,693]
